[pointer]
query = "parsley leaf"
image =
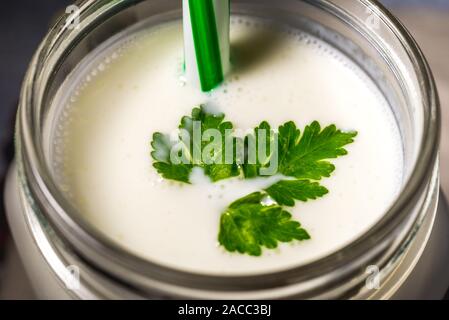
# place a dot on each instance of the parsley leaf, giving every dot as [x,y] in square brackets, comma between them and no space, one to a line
[162,146]
[195,150]
[261,140]
[285,192]
[210,153]
[304,157]
[299,156]
[248,225]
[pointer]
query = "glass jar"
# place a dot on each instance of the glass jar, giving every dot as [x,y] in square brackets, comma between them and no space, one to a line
[411,238]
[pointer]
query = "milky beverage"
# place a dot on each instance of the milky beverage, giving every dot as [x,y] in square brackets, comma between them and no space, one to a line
[119,96]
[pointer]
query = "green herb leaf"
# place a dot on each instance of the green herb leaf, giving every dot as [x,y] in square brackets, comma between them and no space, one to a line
[162,147]
[255,160]
[215,162]
[248,225]
[305,157]
[179,173]
[288,138]
[208,154]
[285,192]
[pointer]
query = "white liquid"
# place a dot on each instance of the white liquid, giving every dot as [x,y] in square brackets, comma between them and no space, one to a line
[102,145]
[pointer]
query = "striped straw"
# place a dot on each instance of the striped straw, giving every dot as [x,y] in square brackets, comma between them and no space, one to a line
[206,41]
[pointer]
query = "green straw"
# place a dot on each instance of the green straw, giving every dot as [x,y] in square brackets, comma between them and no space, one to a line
[206,32]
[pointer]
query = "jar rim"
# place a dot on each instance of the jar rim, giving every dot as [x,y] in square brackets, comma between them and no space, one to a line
[139,271]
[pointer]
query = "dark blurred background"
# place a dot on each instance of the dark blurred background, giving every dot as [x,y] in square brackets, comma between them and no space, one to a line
[23,23]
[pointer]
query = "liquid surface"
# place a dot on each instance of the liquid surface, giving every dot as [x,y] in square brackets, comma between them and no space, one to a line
[115,102]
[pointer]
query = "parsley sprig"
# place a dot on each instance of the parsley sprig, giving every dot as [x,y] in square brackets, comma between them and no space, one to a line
[187,147]
[259,219]
[248,224]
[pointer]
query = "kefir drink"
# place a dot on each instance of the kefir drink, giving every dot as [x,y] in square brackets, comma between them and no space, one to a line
[133,86]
